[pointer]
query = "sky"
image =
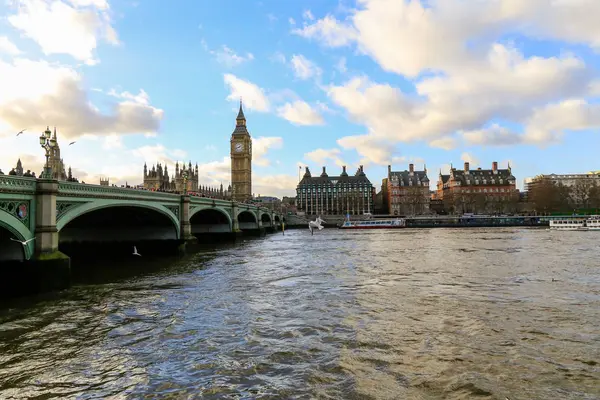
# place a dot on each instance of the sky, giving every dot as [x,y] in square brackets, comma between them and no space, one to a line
[323,82]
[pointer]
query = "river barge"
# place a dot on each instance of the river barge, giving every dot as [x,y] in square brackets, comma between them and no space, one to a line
[374,224]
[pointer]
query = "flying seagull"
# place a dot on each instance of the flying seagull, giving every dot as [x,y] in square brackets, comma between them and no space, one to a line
[135,253]
[20,133]
[71,143]
[23,243]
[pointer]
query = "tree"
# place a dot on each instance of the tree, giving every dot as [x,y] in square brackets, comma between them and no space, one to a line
[414,197]
[549,196]
[450,201]
[581,193]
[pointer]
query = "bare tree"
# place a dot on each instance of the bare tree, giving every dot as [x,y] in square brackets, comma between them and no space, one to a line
[548,196]
[581,192]
[414,198]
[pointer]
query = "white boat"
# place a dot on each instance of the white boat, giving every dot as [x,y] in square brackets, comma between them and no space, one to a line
[375,224]
[591,223]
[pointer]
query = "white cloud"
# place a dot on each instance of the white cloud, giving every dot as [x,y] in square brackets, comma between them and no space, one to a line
[36,94]
[323,157]
[504,85]
[260,147]
[437,37]
[446,143]
[328,30]
[595,88]
[229,58]
[292,21]
[495,135]
[464,78]
[254,96]
[158,153]
[472,160]
[300,113]
[304,68]
[341,65]
[112,142]
[371,149]
[140,98]
[62,28]
[307,15]
[278,57]
[8,47]
[547,124]
[275,185]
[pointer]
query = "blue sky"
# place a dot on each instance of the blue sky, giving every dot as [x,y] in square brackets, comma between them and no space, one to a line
[324,83]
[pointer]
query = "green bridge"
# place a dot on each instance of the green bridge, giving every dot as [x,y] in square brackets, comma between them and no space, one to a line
[58,213]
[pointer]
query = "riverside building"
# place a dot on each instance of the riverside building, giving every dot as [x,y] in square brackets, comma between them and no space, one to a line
[335,195]
[407,192]
[478,191]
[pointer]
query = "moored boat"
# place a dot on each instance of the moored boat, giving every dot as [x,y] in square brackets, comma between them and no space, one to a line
[591,223]
[375,224]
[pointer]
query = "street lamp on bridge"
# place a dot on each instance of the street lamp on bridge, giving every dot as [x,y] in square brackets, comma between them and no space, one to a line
[185,180]
[47,144]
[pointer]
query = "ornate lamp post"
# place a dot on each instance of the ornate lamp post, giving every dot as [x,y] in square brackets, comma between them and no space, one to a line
[185,180]
[47,144]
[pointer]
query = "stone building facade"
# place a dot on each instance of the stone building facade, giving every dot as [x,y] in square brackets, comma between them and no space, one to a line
[479,191]
[158,178]
[407,192]
[56,162]
[335,195]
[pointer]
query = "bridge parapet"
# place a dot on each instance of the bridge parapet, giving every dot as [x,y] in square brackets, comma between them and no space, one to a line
[17,184]
[74,189]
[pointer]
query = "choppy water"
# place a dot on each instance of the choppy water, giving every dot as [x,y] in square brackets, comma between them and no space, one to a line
[414,314]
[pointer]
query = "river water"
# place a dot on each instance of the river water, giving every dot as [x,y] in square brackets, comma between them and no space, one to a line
[413,314]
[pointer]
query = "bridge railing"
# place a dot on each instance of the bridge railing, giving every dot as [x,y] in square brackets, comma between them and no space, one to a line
[12,183]
[208,200]
[83,189]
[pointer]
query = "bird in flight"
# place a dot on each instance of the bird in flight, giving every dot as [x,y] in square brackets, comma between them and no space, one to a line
[23,243]
[135,252]
[20,133]
[72,143]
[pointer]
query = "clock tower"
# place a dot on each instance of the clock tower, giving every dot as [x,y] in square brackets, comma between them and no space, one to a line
[241,159]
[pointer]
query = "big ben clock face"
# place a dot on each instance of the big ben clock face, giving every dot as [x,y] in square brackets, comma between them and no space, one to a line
[239,147]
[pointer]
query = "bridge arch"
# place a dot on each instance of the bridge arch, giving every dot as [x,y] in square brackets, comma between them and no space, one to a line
[210,219]
[265,218]
[13,227]
[88,208]
[247,220]
[277,219]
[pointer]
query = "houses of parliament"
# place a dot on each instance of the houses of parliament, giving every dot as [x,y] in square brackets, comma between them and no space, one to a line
[157,178]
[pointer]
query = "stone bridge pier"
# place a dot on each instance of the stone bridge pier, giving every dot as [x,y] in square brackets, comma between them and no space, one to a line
[64,222]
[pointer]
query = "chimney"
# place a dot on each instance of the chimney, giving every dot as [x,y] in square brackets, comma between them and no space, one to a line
[344,169]
[411,167]
[361,169]
[324,172]
[495,166]
[466,166]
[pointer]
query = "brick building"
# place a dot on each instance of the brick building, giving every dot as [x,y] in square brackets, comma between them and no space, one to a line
[478,191]
[407,192]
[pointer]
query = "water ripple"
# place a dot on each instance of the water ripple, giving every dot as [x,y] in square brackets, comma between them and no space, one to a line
[417,314]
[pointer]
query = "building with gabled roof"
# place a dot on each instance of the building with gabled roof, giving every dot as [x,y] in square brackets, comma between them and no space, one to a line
[478,191]
[407,192]
[335,195]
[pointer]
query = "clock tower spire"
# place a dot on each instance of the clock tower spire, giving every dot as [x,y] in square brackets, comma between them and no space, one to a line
[241,159]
